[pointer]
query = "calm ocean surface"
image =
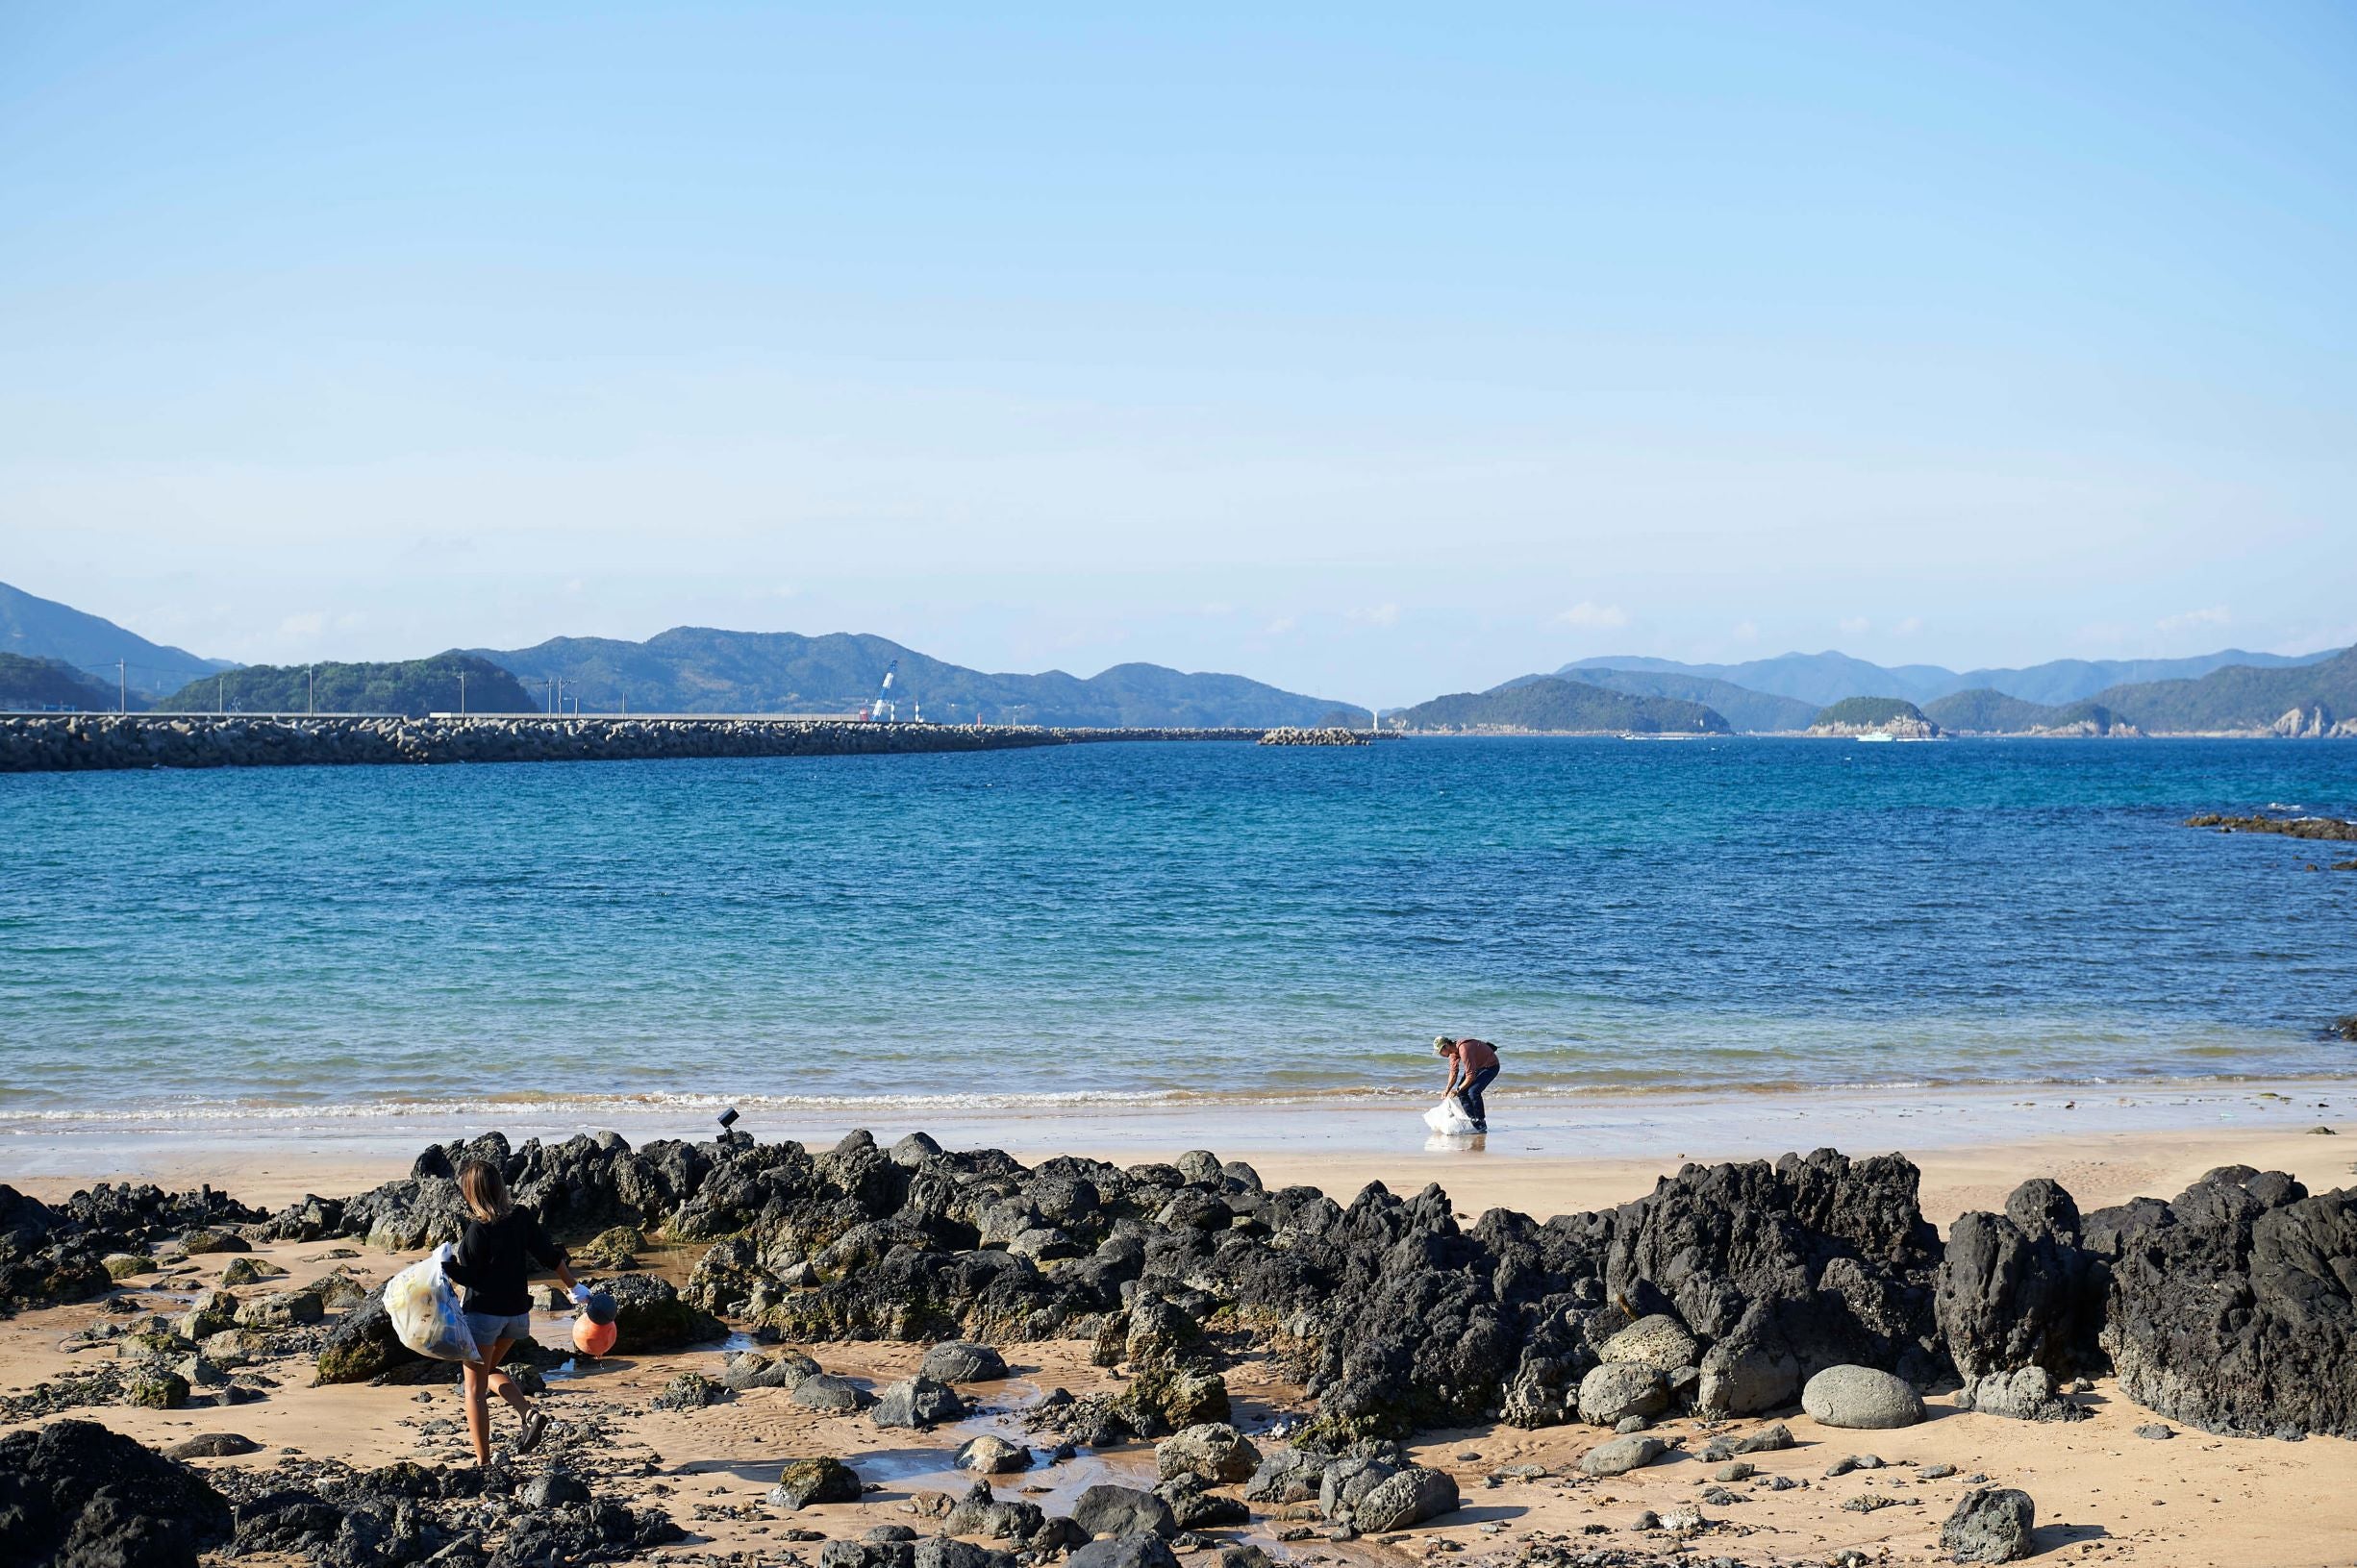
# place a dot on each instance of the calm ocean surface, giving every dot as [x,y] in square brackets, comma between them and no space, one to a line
[1135,922]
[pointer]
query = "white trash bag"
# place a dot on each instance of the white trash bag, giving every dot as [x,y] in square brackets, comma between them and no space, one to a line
[424,1306]
[1449,1116]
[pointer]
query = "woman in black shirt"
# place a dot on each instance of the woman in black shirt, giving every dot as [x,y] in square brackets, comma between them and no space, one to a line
[494,1259]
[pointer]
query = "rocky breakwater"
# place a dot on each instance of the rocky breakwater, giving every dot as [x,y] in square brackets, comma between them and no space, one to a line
[77,741]
[1290,735]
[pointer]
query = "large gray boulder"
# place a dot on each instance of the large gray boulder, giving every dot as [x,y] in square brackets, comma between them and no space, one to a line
[1195,1507]
[1861,1397]
[746,1369]
[1349,1479]
[1123,1511]
[1617,1391]
[2028,1394]
[1407,1496]
[1659,1341]
[1991,1524]
[1215,1451]
[1289,1475]
[962,1360]
[1142,1549]
[917,1403]
[990,1454]
[825,1392]
[1752,1370]
[1623,1455]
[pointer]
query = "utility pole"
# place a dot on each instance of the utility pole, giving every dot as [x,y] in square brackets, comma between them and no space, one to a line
[308,706]
[122,687]
[220,694]
[461,693]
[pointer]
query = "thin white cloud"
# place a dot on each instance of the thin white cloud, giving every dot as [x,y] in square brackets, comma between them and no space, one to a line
[2195,619]
[1746,631]
[308,624]
[1281,625]
[1856,626]
[1375,615]
[1909,627]
[1588,613]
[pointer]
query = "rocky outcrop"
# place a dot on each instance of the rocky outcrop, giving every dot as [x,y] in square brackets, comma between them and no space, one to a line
[1726,1290]
[1785,1270]
[2330,828]
[80,741]
[61,1253]
[2234,1306]
[75,1493]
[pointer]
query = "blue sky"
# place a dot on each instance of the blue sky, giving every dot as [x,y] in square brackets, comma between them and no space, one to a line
[1372,351]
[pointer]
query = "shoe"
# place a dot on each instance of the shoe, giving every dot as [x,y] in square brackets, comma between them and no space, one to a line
[536,1428]
[1481,1127]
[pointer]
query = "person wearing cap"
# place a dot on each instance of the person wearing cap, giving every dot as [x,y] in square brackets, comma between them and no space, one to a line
[1471,1064]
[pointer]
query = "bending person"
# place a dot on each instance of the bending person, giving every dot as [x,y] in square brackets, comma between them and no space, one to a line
[493,1258]
[1471,1064]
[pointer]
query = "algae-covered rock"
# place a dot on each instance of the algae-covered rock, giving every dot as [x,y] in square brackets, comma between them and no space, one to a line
[805,1482]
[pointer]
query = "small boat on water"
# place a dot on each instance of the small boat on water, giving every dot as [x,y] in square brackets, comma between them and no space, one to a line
[1878,734]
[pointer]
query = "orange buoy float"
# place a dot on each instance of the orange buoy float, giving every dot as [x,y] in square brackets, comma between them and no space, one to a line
[592,1337]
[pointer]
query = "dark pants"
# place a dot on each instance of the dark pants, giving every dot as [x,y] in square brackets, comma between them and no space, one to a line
[1470,1095]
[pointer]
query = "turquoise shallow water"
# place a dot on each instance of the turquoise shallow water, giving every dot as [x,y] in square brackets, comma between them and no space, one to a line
[1128,922]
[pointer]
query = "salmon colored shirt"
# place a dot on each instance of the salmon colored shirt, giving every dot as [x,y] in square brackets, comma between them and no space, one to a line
[1476,1056]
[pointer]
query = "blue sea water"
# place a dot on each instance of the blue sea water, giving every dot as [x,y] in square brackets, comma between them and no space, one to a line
[1135,921]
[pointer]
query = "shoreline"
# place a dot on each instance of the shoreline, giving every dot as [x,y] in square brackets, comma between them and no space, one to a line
[1545,1154]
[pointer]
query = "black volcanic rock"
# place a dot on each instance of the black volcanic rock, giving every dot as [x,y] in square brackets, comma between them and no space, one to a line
[2235,1312]
[2018,1290]
[74,1493]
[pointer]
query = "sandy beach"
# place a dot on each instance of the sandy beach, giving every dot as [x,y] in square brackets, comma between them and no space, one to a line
[2103,1493]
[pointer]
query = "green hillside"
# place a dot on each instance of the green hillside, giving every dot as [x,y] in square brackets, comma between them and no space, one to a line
[1551,706]
[693,669]
[50,683]
[2239,698]
[1990,713]
[1870,710]
[414,686]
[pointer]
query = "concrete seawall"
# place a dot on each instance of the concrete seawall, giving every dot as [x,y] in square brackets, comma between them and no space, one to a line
[61,742]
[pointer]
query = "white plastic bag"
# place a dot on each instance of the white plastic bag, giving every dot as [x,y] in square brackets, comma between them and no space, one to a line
[1449,1116]
[426,1314]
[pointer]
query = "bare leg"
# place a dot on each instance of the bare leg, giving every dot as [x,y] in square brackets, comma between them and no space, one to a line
[478,1409]
[505,1388]
[480,1380]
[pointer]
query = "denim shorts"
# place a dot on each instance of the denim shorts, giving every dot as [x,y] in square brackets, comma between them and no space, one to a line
[490,1327]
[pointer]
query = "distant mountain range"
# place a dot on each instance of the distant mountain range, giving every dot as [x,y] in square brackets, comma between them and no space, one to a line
[701,670]
[1823,679]
[37,628]
[693,669]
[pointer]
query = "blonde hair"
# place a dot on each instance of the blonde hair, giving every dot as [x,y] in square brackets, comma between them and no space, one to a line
[484,1190]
